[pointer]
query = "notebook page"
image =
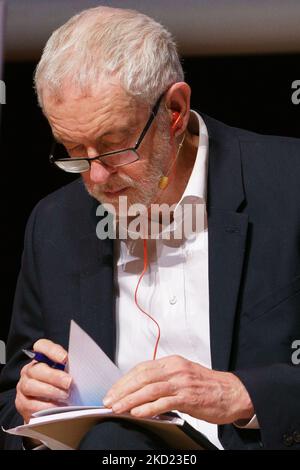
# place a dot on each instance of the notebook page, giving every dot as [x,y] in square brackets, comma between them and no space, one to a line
[92,371]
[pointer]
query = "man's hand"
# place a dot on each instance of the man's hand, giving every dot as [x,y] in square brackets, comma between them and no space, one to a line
[174,383]
[40,387]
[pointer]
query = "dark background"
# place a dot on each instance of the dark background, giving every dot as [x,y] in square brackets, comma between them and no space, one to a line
[252,92]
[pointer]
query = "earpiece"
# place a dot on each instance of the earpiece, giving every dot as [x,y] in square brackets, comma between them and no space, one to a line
[176,116]
[164,179]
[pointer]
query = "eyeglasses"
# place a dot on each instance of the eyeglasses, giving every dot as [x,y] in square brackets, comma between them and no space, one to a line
[60,157]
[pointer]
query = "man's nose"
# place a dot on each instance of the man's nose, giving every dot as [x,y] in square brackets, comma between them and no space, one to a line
[99,173]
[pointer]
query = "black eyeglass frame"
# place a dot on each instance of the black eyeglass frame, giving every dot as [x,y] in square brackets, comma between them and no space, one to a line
[153,114]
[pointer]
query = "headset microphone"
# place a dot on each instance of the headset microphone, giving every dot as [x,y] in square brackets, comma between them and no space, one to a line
[163,182]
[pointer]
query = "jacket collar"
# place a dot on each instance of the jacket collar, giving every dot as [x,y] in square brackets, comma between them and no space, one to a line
[227,231]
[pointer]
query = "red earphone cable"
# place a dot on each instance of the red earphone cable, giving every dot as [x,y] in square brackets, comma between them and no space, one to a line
[145,267]
[136,300]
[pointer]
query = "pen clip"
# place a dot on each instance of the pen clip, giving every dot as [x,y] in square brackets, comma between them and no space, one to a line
[28,353]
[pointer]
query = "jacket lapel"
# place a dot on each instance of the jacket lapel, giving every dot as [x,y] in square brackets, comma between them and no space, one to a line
[227,231]
[96,313]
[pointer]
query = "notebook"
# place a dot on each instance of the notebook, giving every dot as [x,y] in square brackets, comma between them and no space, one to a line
[93,373]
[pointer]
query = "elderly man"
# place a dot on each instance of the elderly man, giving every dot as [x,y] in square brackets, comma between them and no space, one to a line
[210,330]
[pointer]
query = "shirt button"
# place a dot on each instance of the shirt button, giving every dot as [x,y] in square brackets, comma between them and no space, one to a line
[173,300]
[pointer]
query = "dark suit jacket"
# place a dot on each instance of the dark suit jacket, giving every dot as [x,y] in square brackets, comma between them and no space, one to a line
[254,277]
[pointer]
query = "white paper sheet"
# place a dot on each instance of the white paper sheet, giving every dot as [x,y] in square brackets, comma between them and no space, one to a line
[92,371]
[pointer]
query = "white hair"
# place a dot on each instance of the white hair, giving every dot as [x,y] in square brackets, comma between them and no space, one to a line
[102,44]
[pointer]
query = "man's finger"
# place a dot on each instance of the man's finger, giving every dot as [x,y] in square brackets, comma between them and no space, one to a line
[54,351]
[36,389]
[160,370]
[162,405]
[147,394]
[43,373]
[27,406]
[142,375]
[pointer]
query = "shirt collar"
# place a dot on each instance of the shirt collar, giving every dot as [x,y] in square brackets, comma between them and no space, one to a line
[196,188]
[197,183]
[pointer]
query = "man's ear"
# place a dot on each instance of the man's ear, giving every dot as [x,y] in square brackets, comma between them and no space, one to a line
[177,100]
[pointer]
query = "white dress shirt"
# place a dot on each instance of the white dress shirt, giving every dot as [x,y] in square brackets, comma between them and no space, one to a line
[174,290]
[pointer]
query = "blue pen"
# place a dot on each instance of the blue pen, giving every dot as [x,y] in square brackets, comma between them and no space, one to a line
[39,357]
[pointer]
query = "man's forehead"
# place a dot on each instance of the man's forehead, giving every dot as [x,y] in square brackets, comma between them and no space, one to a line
[108,112]
[87,102]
